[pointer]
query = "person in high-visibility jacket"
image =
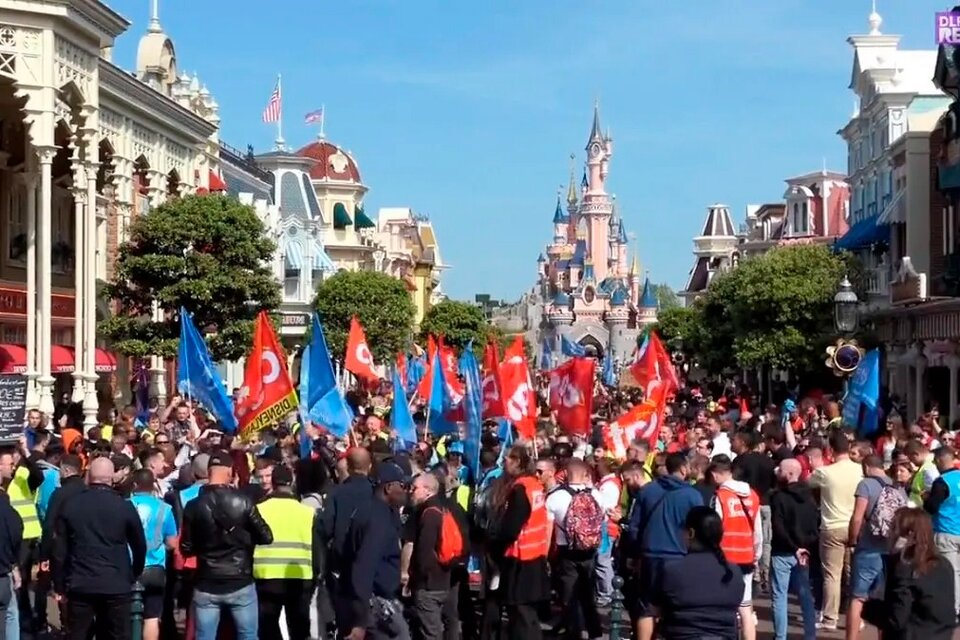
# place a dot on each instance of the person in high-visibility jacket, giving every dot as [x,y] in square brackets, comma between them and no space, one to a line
[522,544]
[739,507]
[285,570]
[21,477]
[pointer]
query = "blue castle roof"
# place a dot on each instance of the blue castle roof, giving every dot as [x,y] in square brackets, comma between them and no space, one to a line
[622,233]
[561,300]
[579,253]
[588,275]
[619,297]
[559,217]
[648,300]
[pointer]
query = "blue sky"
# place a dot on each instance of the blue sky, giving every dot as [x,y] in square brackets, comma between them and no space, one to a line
[468,112]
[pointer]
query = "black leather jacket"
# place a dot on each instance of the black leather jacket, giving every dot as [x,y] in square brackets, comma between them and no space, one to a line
[221,527]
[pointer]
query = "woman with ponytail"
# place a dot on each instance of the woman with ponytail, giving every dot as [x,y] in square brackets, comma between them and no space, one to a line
[699,595]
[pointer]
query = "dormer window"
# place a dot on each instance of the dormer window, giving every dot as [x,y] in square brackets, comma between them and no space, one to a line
[798,210]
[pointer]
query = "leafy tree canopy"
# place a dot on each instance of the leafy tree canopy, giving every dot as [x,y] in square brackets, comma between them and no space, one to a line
[207,253]
[678,326]
[458,323]
[775,309]
[382,305]
[666,297]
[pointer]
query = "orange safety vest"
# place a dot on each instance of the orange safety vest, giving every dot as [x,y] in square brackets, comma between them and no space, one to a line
[532,543]
[613,528]
[739,516]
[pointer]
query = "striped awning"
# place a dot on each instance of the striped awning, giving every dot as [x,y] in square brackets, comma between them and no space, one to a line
[895,211]
[321,261]
[293,255]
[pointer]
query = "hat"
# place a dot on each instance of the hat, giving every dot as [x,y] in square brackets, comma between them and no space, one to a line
[455,447]
[220,459]
[282,476]
[387,472]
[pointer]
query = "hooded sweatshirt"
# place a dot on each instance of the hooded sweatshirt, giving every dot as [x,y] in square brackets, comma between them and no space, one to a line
[743,491]
[794,519]
[658,518]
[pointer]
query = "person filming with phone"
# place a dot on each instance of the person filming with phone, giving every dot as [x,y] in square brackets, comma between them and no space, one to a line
[795,523]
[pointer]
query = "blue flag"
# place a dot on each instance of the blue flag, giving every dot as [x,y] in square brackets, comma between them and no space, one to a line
[546,355]
[198,378]
[570,348]
[609,377]
[440,402]
[643,346]
[506,441]
[306,445]
[473,403]
[400,418]
[327,407]
[416,369]
[863,395]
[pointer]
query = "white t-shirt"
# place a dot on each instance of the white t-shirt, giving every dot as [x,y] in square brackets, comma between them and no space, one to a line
[721,446]
[557,504]
[609,492]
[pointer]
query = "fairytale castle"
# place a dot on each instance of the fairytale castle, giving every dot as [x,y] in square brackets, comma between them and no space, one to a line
[585,289]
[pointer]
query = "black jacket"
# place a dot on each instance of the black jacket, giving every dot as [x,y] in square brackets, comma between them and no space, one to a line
[759,471]
[63,495]
[423,530]
[221,527]
[98,544]
[914,607]
[794,519]
[11,535]
[344,503]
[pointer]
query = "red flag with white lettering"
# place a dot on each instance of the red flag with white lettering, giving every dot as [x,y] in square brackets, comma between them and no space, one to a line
[423,389]
[492,397]
[359,360]
[267,395]
[520,401]
[571,394]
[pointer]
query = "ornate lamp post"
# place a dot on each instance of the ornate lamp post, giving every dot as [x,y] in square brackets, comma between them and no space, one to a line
[846,308]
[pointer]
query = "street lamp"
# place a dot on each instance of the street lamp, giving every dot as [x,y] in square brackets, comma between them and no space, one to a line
[846,311]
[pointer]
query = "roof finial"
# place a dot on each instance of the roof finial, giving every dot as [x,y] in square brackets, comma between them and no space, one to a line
[154,26]
[824,165]
[875,19]
[572,187]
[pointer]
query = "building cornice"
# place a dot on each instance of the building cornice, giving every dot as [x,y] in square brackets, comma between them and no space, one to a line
[100,16]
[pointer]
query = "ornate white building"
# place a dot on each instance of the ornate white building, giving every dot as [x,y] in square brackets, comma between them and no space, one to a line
[84,146]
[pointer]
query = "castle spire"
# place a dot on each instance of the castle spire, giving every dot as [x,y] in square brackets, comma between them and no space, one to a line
[875,20]
[634,266]
[572,187]
[596,132]
[154,26]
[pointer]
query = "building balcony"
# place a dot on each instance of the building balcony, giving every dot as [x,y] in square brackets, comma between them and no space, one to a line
[877,281]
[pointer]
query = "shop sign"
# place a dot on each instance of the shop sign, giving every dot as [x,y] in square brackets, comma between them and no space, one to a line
[14,301]
[294,319]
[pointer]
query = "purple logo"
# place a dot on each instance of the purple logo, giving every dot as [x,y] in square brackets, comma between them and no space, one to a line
[948,28]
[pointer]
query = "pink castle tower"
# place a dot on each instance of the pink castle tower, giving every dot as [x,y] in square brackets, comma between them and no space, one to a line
[597,206]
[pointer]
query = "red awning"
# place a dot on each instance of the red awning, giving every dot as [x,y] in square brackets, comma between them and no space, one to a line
[216,182]
[13,359]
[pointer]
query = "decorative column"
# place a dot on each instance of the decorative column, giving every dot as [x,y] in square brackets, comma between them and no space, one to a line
[90,403]
[953,364]
[30,191]
[158,383]
[79,264]
[157,189]
[44,256]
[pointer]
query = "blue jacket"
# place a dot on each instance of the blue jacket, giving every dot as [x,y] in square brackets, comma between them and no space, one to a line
[51,482]
[657,520]
[346,503]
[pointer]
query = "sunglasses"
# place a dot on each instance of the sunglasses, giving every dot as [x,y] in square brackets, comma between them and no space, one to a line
[161,442]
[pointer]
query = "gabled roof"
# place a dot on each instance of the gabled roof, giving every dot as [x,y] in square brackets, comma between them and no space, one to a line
[699,276]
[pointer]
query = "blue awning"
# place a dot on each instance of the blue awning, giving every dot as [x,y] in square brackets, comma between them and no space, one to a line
[293,255]
[321,261]
[862,234]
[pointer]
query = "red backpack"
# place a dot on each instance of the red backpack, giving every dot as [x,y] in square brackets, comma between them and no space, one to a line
[451,547]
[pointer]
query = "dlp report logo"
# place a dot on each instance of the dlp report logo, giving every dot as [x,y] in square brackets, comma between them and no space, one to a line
[948,28]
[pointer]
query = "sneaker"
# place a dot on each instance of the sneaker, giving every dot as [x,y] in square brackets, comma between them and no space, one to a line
[826,626]
[819,616]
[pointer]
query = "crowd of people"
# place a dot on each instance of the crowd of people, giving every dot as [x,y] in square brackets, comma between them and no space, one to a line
[296,534]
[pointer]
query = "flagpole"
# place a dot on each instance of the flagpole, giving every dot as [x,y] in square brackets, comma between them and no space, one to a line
[323,116]
[280,140]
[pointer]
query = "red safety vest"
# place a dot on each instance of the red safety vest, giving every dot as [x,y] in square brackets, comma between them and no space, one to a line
[532,543]
[739,516]
[613,528]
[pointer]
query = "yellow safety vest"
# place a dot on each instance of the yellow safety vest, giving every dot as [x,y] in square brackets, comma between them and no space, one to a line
[24,502]
[290,556]
[463,496]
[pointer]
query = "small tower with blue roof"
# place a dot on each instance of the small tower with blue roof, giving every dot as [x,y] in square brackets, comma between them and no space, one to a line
[648,305]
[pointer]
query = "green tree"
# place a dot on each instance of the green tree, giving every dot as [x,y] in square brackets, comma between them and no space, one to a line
[458,323]
[380,302]
[775,309]
[678,327]
[207,253]
[666,297]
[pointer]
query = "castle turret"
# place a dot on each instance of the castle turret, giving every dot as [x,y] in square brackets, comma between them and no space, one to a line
[617,319]
[560,221]
[647,308]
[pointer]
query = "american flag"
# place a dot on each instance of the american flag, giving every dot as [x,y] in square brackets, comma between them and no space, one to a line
[272,112]
[314,116]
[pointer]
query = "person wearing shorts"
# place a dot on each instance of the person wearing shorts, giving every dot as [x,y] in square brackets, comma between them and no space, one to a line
[160,530]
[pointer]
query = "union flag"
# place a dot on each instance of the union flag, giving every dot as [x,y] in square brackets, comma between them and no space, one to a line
[359,360]
[490,386]
[571,394]
[519,396]
[267,396]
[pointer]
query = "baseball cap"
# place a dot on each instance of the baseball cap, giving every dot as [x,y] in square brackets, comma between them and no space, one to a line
[387,472]
[220,459]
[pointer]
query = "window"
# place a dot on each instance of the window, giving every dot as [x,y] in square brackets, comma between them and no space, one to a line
[804,219]
[17,225]
[62,251]
[291,285]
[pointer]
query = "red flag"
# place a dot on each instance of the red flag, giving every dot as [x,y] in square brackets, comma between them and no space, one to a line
[571,394]
[451,373]
[359,360]
[642,422]
[423,389]
[267,395]
[492,398]
[520,401]
[402,367]
[654,364]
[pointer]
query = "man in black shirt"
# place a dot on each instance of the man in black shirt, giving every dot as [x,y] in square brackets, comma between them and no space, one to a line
[221,526]
[760,472]
[11,538]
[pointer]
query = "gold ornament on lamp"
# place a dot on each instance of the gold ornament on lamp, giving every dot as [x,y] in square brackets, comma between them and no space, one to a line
[844,357]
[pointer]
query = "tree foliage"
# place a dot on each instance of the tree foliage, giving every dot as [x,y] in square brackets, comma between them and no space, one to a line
[775,309]
[666,297]
[207,253]
[380,302]
[458,323]
[678,327]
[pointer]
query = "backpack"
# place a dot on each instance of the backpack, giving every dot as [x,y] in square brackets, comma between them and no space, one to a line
[583,523]
[890,500]
[451,546]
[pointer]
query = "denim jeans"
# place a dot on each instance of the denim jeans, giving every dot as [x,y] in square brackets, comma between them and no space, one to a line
[786,572]
[241,604]
[12,617]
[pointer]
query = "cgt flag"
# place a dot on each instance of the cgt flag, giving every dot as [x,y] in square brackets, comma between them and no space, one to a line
[359,360]
[267,395]
[571,394]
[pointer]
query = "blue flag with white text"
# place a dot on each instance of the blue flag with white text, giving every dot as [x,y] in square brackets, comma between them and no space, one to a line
[609,377]
[570,348]
[440,401]
[198,378]
[861,404]
[400,419]
[327,407]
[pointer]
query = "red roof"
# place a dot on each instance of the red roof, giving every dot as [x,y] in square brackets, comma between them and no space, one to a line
[333,163]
